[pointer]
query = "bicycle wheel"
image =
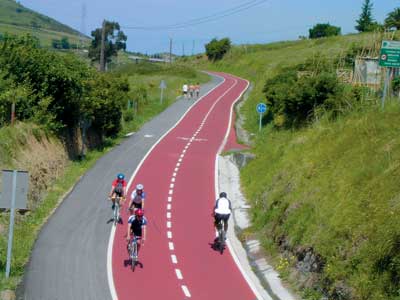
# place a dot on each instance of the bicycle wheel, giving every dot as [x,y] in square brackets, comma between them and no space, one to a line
[134,255]
[221,238]
[116,211]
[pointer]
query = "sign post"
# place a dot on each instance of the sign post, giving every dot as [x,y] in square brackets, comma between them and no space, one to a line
[15,186]
[163,86]
[389,57]
[261,109]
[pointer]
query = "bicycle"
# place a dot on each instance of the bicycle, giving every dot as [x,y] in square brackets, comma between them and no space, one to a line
[221,236]
[133,252]
[116,210]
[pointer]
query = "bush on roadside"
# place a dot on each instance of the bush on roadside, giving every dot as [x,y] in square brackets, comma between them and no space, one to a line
[216,49]
[295,94]
[58,91]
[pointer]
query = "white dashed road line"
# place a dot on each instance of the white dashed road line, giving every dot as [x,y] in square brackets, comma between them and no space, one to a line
[186,291]
[178,274]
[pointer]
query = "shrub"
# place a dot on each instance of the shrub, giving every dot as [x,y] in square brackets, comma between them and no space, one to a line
[216,49]
[296,93]
[323,30]
[59,91]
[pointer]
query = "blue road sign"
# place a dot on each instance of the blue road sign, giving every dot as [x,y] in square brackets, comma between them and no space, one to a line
[261,108]
[163,85]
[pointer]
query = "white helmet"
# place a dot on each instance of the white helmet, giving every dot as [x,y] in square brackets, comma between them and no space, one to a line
[139,187]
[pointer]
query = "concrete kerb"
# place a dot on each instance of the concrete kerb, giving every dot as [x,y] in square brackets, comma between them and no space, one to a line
[263,276]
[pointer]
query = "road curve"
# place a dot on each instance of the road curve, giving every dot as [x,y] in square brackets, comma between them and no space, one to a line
[179,176]
[69,257]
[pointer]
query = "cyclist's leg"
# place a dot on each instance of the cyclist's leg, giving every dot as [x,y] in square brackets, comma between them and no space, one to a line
[113,196]
[138,235]
[226,218]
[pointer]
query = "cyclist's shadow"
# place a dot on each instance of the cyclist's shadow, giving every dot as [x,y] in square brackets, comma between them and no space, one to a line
[128,262]
[120,221]
[215,245]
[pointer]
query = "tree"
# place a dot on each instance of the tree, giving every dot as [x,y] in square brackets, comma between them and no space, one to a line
[393,19]
[323,30]
[65,43]
[216,49]
[115,40]
[366,23]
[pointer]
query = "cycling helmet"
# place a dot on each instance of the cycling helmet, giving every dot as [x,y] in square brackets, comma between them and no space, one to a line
[223,195]
[139,187]
[120,176]
[139,212]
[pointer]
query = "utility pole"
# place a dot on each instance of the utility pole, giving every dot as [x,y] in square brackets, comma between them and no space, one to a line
[83,25]
[193,47]
[13,110]
[170,50]
[183,48]
[103,37]
[13,113]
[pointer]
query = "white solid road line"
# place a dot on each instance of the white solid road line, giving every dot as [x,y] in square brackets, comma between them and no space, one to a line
[233,254]
[110,277]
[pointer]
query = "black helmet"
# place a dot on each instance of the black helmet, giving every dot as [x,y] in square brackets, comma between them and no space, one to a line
[222,195]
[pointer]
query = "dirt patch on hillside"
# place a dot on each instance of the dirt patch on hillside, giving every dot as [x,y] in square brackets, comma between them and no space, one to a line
[45,158]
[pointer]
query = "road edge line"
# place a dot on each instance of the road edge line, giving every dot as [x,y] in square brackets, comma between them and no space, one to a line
[216,179]
[110,277]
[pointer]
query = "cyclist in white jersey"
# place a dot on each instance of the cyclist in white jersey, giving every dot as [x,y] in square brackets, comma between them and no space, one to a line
[137,197]
[222,210]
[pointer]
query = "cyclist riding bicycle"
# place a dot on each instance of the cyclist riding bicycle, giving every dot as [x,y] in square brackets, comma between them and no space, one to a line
[137,227]
[222,211]
[137,198]
[118,188]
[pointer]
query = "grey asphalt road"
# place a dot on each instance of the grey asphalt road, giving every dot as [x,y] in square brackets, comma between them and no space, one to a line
[69,257]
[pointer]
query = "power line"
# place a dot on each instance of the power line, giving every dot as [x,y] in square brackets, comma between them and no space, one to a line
[202,20]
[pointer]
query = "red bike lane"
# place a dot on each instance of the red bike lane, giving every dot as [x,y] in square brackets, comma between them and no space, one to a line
[179,178]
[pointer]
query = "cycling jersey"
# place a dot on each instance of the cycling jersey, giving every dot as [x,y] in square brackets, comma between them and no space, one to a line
[223,206]
[118,187]
[136,198]
[136,224]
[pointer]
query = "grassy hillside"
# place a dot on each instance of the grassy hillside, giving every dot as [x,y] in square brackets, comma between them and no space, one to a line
[259,62]
[14,13]
[19,20]
[325,198]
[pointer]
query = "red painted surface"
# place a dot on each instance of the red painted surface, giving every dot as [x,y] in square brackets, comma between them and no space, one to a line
[206,273]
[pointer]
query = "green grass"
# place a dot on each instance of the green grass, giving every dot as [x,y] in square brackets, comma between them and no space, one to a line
[334,187]
[150,76]
[45,36]
[259,62]
[16,19]
[13,13]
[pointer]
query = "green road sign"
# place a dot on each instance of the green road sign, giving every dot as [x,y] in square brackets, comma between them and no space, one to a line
[390,54]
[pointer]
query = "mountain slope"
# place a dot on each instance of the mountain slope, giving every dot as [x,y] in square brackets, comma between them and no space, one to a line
[19,20]
[14,13]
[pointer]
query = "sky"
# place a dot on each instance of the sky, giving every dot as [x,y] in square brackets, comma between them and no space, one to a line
[270,21]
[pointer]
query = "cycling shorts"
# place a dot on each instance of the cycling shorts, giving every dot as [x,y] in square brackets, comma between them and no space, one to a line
[137,205]
[219,217]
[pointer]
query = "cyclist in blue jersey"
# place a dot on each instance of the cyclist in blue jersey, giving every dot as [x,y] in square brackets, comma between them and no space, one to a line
[137,226]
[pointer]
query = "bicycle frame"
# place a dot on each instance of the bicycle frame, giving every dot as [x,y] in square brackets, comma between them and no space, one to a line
[221,236]
[116,210]
[133,253]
